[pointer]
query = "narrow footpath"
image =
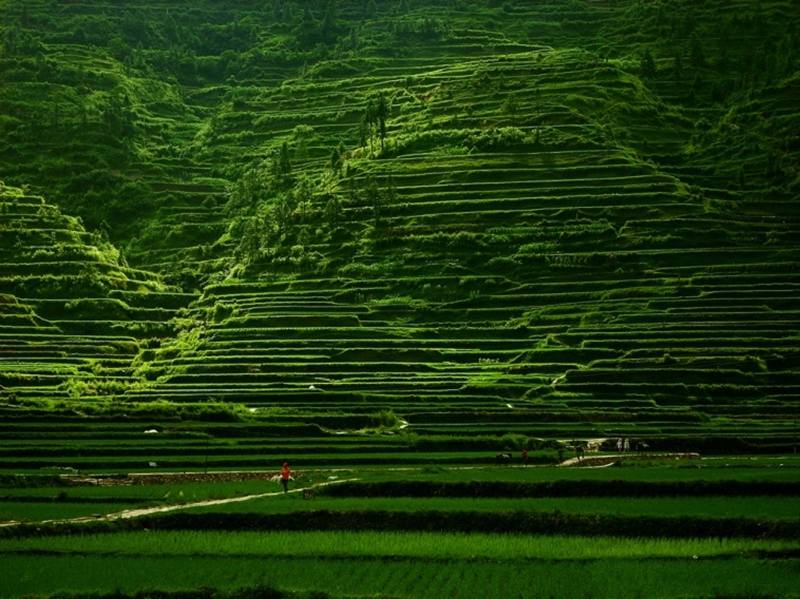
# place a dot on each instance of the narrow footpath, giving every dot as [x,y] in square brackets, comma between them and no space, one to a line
[138,512]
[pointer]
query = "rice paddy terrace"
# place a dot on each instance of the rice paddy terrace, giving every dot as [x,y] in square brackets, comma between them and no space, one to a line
[472,229]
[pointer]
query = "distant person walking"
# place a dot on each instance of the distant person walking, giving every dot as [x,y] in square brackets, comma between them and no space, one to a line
[524,457]
[286,474]
[626,446]
[619,445]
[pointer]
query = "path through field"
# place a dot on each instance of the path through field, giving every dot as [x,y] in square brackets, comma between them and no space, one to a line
[169,508]
[591,461]
[604,460]
[135,513]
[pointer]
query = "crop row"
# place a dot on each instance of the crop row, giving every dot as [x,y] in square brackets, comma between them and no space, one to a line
[564,488]
[382,545]
[228,577]
[503,523]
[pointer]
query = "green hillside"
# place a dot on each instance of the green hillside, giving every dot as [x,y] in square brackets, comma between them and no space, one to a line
[475,225]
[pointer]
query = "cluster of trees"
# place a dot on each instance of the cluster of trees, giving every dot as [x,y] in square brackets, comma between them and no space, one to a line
[276,213]
[751,48]
[425,27]
[273,212]
[373,122]
[16,41]
[378,196]
[199,44]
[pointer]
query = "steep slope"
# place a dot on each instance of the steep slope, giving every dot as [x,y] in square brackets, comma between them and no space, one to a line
[73,314]
[551,219]
[499,253]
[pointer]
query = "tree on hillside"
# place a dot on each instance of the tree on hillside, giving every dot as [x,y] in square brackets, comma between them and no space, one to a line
[698,82]
[278,15]
[329,26]
[723,62]
[303,197]
[302,135]
[24,17]
[282,212]
[374,198]
[677,69]
[307,31]
[136,27]
[375,125]
[284,164]
[248,193]
[333,212]
[380,198]
[336,162]
[381,114]
[367,125]
[647,65]
[697,57]
[511,105]
[373,122]
[119,115]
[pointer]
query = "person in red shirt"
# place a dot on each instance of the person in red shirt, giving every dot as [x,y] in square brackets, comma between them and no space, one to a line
[524,457]
[286,474]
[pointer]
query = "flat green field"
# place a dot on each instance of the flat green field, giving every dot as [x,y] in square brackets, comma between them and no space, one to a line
[778,508]
[276,541]
[645,571]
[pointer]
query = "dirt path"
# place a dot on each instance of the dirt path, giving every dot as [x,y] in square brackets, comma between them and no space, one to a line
[604,460]
[589,461]
[136,513]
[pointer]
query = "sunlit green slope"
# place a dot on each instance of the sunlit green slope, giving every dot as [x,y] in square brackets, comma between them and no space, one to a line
[72,313]
[578,211]
[501,247]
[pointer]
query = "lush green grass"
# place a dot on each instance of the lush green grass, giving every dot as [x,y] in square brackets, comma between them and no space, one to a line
[777,508]
[40,512]
[606,578]
[424,564]
[785,468]
[379,545]
[186,491]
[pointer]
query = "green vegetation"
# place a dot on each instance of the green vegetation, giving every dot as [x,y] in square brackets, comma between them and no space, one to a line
[384,545]
[346,546]
[735,577]
[762,508]
[369,235]
[538,217]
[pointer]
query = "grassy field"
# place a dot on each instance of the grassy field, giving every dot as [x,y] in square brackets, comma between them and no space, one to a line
[169,554]
[231,547]
[414,578]
[777,508]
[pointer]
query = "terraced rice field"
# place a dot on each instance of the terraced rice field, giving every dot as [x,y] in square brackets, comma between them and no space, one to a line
[392,242]
[505,274]
[528,228]
[418,533]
